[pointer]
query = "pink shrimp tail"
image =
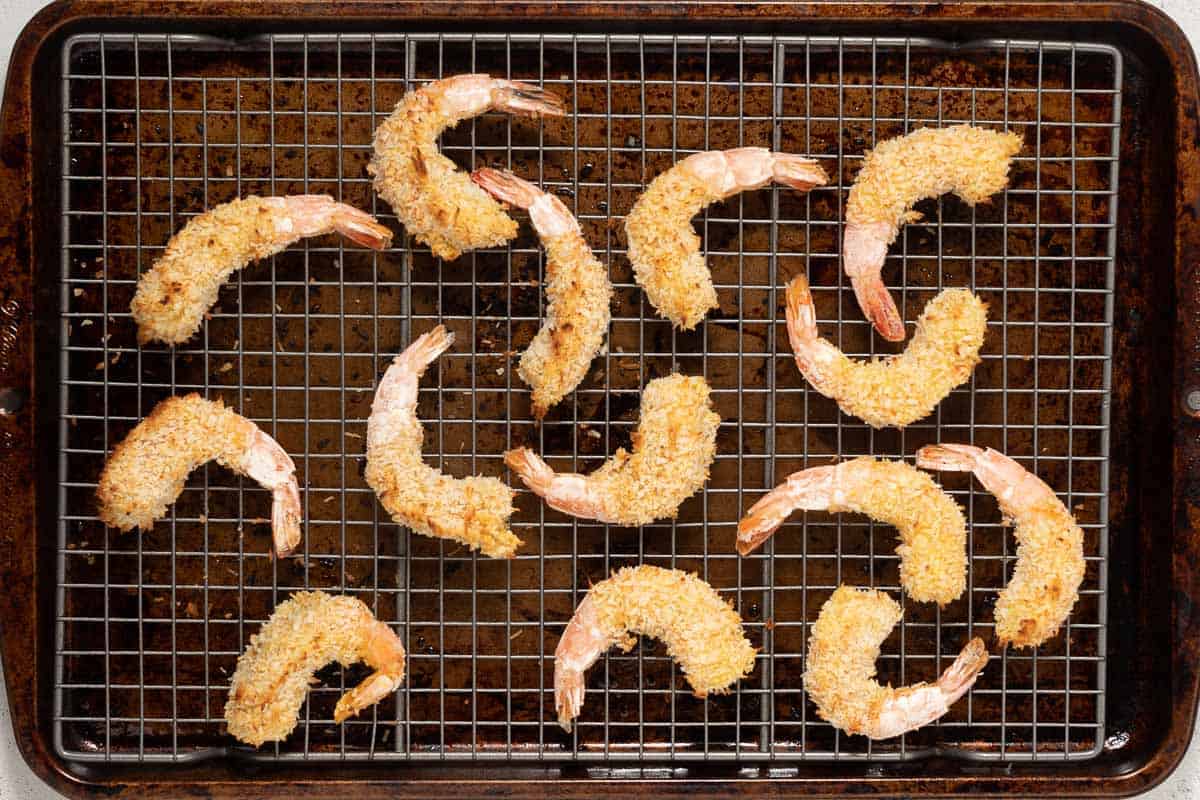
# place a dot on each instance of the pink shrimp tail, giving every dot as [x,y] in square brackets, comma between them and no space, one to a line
[960,676]
[569,690]
[810,489]
[532,470]
[864,249]
[517,97]
[427,348]
[506,187]
[801,315]
[361,228]
[798,172]
[949,457]
[285,518]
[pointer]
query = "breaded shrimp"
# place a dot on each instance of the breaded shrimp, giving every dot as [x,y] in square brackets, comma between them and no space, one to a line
[673,447]
[933,531]
[305,633]
[437,203]
[840,669]
[663,247]
[971,162]
[577,285]
[473,510]
[897,390]
[173,297]
[147,470]
[1050,563]
[703,632]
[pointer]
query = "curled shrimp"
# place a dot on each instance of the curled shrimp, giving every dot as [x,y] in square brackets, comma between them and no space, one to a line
[933,531]
[472,510]
[663,247]
[173,297]
[145,472]
[897,390]
[840,673]
[673,447]
[971,162]
[577,286]
[437,203]
[1050,563]
[703,632]
[306,632]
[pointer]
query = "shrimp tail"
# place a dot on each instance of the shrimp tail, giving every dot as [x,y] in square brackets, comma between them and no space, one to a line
[427,348]
[811,489]
[517,97]
[864,249]
[285,518]
[948,457]
[532,470]
[385,652]
[506,187]
[569,689]
[801,315]
[960,676]
[361,228]
[797,171]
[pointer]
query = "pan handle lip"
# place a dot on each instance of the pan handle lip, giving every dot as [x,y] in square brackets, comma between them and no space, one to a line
[19,609]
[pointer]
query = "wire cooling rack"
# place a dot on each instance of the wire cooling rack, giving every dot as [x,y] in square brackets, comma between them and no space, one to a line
[156,128]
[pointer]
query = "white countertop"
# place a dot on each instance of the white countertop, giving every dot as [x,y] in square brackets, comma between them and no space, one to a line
[16,779]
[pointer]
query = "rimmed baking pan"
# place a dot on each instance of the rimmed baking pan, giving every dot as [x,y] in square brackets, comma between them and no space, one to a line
[121,120]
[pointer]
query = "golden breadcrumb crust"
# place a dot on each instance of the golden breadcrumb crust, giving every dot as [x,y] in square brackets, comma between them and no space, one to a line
[933,531]
[1045,583]
[902,389]
[473,510]
[437,202]
[147,470]
[842,651]
[665,251]
[173,297]
[673,447]
[577,317]
[703,632]
[971,162]
[273,676]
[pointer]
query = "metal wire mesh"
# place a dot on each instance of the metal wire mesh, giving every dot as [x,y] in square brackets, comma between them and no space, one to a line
[157,128]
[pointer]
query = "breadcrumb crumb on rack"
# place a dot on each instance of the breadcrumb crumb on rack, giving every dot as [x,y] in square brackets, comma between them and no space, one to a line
[673,447]
[473,510]
[840,669]
[702,632]
[306,632]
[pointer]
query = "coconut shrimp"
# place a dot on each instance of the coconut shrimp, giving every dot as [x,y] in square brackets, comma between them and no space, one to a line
[305,633]
[901,389]
[971,162]
[673,447]
[1050,564]
[933,531]
[703,632]
[840,674]
[173,297]
[473,510]
[577,286]
[146,471]
[663,247]
[438,204]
